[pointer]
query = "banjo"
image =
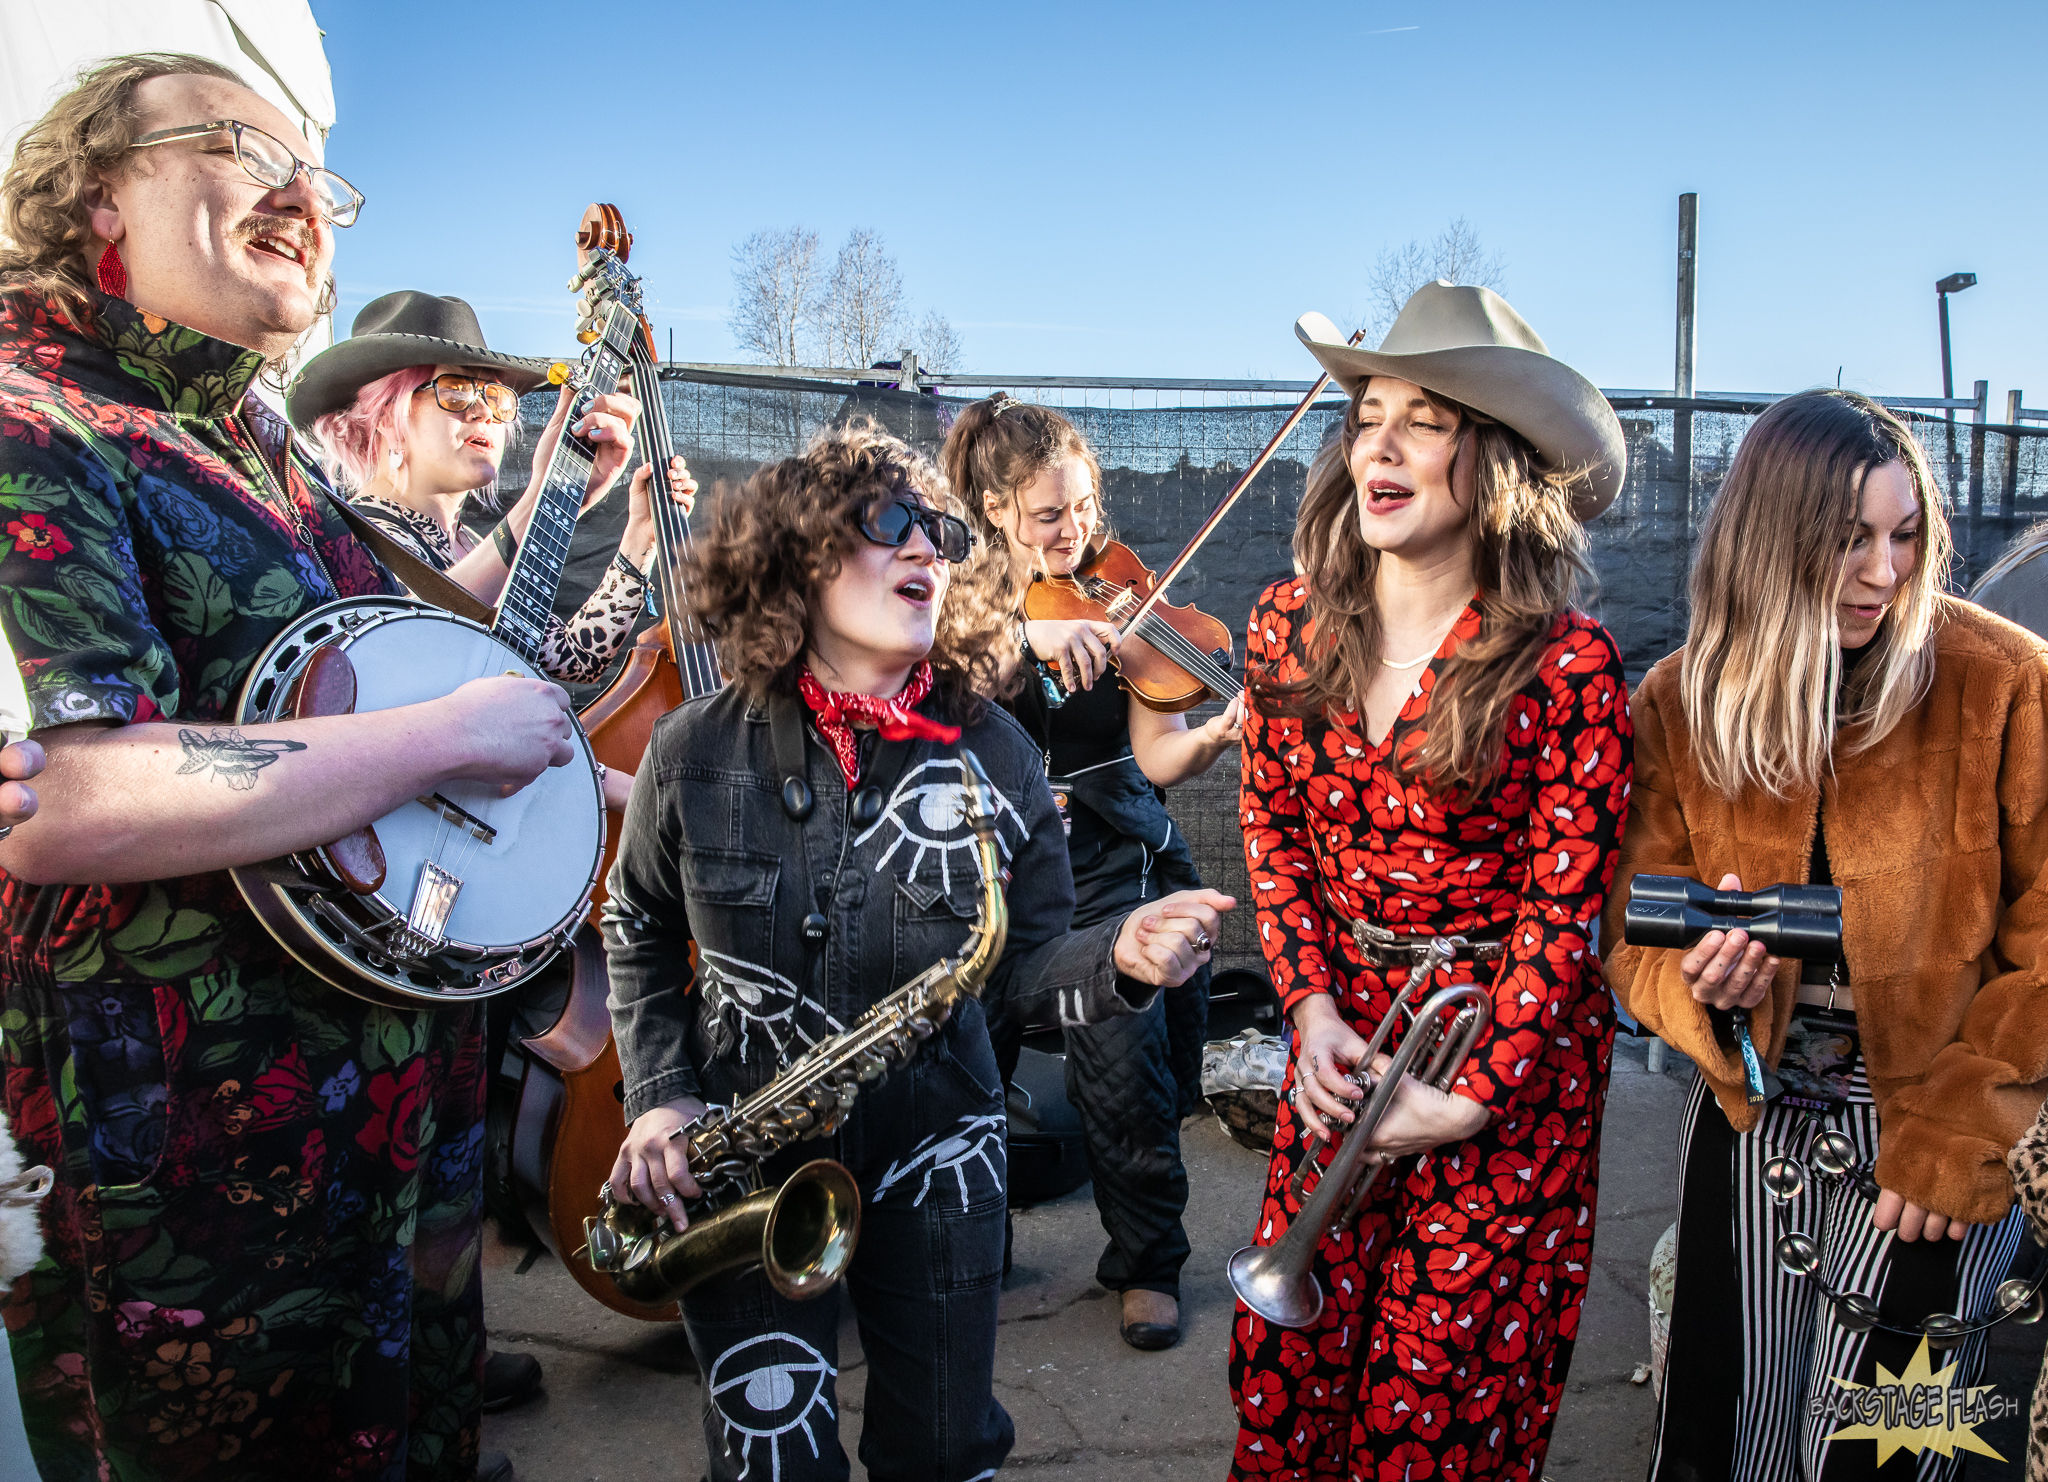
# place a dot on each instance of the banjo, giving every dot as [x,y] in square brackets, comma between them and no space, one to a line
[460,893]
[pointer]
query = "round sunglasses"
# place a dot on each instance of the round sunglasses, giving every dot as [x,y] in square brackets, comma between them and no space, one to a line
[890,524]
[457,393]
[269,163]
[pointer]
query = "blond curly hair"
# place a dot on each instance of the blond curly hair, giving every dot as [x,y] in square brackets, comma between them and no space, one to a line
[45,225]
[752,578]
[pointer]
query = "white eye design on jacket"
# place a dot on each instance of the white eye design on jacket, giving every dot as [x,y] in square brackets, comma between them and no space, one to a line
[973,1140]
[928,809]
[760,996]
[766,1388]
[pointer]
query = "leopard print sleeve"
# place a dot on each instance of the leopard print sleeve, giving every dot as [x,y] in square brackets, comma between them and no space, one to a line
[2029,1163]
[580,650]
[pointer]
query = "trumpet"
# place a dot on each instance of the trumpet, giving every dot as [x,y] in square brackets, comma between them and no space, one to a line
[801,1234]
[1275,1280]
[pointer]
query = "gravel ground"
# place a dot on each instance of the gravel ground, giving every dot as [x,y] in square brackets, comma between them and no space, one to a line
[623,1399]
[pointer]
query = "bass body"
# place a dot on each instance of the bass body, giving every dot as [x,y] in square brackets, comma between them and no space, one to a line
[569,1118]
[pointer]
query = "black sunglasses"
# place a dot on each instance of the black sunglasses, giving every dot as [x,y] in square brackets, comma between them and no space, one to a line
[892,523]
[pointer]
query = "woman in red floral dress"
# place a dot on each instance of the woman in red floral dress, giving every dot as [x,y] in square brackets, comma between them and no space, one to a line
[1438,745]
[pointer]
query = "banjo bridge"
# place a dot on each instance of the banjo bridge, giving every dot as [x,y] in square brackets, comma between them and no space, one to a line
[426,925]
[460,816]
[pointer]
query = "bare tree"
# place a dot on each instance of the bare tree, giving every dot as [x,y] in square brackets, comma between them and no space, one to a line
[775,294]
[860,316]
[1455,253]
[938,347]
[787,310]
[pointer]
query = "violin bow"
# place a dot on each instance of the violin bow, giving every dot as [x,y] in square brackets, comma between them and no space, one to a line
[1208,526]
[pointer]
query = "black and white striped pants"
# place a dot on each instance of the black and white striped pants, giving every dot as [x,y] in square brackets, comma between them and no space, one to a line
[1752,1345]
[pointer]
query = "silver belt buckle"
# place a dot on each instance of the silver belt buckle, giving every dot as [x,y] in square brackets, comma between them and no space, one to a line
[1375,943]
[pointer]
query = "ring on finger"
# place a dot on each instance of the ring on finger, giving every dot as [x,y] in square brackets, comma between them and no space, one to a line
[668,1198]
[1202,942]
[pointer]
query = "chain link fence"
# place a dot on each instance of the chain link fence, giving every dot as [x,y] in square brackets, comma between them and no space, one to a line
[1168,456]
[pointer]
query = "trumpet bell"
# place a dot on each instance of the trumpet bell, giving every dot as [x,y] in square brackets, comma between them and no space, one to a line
[1287,1298]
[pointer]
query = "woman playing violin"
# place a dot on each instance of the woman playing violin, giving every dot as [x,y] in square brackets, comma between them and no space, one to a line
[1036,487]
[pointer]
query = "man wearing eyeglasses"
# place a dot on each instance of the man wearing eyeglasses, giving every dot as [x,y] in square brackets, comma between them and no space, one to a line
[261,1256]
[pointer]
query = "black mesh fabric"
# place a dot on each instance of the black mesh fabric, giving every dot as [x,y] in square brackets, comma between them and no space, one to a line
[1165,466]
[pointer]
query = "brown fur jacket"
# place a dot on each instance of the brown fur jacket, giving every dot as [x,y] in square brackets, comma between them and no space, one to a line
[1938,836]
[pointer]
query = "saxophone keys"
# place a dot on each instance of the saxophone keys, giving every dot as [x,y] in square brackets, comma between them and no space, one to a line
[606,1247]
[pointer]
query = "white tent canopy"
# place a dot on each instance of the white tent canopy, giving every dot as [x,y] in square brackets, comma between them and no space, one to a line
[273,44]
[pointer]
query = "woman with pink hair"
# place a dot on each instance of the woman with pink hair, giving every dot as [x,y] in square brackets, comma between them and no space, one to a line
[413,413]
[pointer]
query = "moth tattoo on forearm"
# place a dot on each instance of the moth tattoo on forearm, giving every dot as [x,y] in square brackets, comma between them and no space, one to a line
[231,756]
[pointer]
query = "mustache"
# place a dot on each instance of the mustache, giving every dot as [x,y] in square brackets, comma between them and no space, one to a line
[289,228]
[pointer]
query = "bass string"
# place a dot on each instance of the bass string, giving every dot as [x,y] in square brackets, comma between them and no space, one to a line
[693,656]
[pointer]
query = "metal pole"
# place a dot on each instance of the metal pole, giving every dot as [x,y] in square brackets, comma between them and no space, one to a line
[2008,496]
[1978,417]
[1948,379]
[1687,346]
[1688,292]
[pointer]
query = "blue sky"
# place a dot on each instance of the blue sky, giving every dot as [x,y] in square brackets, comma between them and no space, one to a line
[1127,189]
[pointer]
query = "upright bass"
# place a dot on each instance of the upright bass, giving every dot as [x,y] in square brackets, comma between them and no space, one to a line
[571,1115]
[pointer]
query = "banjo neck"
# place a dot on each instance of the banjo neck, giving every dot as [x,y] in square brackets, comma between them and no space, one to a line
[527,604]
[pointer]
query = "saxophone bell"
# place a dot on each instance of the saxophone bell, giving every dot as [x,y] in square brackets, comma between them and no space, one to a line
[801,1234]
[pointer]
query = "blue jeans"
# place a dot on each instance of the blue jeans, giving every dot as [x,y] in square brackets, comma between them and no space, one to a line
[927,1148]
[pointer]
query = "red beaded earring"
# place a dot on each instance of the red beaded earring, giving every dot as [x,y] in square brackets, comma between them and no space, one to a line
[113,273]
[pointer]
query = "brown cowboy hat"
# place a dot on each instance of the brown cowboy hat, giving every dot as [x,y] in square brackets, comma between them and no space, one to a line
[392,333]
[1467,344]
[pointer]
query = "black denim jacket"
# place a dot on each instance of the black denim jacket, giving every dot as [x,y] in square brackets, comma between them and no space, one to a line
[710,855]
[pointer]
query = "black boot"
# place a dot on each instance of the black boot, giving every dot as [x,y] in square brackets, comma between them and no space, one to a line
[510,1379]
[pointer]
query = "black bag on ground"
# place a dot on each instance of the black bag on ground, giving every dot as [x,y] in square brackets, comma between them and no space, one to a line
[1047,1158]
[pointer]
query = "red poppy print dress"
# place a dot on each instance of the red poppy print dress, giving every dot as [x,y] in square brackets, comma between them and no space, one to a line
[1451,1305]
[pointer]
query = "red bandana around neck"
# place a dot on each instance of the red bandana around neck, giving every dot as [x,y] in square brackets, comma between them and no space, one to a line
[896,719]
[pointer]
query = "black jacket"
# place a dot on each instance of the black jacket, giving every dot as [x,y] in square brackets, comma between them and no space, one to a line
[710,855]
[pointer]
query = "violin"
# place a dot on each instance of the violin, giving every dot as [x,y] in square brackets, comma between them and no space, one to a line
[1181,655]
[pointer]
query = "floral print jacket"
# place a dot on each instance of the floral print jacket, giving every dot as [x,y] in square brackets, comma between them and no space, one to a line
[260,1253]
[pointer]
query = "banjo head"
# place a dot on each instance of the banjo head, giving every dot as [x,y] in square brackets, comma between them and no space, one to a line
[506,878]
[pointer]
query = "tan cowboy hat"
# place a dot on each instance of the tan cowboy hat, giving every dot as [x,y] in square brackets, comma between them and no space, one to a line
[1466,343]
[394,333]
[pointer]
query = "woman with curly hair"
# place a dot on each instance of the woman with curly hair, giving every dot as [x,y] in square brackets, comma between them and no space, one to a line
[1437,760]
[1835,717]
[804,830]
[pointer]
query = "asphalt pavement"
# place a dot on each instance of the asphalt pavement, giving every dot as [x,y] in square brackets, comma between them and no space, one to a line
[623,1401]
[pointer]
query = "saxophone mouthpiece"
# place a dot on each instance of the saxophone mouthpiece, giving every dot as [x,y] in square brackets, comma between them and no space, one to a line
[981,795]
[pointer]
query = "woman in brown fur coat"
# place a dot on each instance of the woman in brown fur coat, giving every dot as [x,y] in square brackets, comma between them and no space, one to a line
[1834,717]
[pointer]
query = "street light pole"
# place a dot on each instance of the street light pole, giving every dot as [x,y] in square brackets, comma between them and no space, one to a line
[1953,283]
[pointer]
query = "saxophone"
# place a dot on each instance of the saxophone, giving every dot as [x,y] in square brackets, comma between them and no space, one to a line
[801,1233]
